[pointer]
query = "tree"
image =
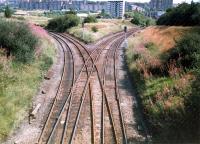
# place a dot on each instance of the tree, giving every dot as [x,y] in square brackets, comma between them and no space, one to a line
[185,15]
[140,19]
[8,12]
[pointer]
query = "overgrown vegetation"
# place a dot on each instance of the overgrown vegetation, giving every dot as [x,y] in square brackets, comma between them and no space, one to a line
[19,81]
[140,19]
[184,14]
[84,35]
[18,41]
[90,19]
[168,84]
[62,23]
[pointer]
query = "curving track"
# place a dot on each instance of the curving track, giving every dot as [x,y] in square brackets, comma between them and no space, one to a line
[73,117]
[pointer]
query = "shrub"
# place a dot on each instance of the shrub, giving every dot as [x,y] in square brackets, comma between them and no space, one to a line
[94,29]
[186,51]
[63,23]
[8,12]
[90,19]
[18,40]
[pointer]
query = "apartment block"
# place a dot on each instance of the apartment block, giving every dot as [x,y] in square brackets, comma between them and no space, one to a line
[116,8]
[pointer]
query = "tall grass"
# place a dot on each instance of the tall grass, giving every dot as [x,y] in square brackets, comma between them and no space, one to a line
[84,35]
[19,83]
[163,87]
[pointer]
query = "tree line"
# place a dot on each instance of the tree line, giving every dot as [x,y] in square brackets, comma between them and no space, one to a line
[183,15]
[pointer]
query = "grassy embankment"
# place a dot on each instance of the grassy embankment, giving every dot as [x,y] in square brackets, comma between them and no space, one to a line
[19,82]
[164,88]
[104,27]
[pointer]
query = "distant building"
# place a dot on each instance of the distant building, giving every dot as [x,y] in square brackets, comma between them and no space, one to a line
[137,8]
[78,5]
[116,8]
[161,5]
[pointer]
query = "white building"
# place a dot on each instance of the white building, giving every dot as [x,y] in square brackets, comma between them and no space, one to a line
[137,8]
[116,8]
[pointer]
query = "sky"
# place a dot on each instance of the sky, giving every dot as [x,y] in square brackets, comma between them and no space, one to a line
[175,1]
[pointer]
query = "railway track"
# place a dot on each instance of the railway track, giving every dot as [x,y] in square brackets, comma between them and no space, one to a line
[75,101]
[120,115]
[117,130]
[61,94]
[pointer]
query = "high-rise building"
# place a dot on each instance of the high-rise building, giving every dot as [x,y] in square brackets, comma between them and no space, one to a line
[161,5]
[116,8]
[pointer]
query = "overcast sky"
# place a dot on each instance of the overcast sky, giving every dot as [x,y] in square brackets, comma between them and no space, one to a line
[175,1]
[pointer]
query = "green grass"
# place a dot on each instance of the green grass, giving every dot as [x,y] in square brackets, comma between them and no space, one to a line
[18,84]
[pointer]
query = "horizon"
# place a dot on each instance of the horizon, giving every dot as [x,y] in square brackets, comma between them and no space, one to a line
[143,1]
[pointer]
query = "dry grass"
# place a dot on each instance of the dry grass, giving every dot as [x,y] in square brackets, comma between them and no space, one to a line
[164,37]
[163,87]
[104,27]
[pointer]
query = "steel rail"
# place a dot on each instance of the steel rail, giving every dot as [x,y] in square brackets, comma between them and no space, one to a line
[68,98]
[101,88]
[58,90]
[73,88]
[106,103]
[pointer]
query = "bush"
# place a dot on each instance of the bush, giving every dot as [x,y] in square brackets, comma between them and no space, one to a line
[94,29]
[187,52]
[63,23]
[18,40]
[90,19]
[8,12]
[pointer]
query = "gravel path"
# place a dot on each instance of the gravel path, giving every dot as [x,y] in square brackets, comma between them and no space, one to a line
[129,103]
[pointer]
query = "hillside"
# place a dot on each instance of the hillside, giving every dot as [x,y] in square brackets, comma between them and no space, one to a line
[165,88]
